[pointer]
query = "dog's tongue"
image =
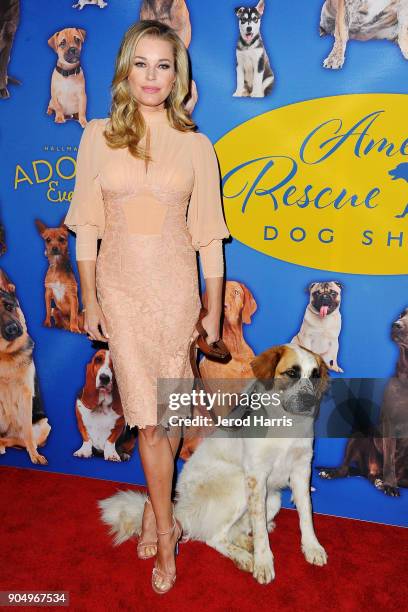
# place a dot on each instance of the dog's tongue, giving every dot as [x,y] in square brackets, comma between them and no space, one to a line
[323,311]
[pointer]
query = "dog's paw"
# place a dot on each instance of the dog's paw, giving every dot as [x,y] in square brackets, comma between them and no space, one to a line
[386,488]
[334,61]
[39,459]
[244,561]
[238,94]
[264,571]
[2,450]
[85,454]
[47,323]
[315,553]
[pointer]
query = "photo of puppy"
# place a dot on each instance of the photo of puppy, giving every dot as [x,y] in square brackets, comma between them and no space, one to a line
[81,3]
[363,20]
[175,14]
[68,97]
[9,21]
[239,306]
[254,73]
[321,324]
[61,287]
[229,492]
[99,413]
[382,456]
[22,421]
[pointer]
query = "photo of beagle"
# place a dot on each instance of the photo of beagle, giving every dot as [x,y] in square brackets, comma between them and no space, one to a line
[382,456]
[175,14]
[321,323]
[9,21]
[61,287]
[255,77]
[68,97]
[363,20]
[99,413]
[229,492]
[22,420]
[239,306]
[81,3]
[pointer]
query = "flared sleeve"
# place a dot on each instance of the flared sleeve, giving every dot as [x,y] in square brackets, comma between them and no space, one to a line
[86,207]
[205,220]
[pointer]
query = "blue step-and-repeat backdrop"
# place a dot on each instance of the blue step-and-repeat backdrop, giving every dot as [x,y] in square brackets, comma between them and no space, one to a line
[313,152]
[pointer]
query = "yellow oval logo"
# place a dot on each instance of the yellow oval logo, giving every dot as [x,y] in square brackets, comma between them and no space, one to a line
[322,183]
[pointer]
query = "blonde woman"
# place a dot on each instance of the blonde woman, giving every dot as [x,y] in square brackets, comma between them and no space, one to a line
[139,172]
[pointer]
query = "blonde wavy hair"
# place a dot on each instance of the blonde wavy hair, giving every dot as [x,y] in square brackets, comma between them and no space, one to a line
[127,126]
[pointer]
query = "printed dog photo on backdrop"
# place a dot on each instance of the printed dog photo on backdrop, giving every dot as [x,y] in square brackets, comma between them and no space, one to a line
[239,306]
[229,491]
[68,97]
[9,21]
[81,3]
[321,323]
[255,77]
[381,456]
[23,422]
[175,14]
[61,287]
[363,20]
[99,413]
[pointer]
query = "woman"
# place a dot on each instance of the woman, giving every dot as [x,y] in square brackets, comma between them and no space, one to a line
[138,172]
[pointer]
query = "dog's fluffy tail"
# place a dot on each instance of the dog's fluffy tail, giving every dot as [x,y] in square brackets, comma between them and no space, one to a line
[123,512]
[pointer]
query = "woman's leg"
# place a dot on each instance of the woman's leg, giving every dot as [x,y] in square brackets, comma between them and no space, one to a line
[156,452]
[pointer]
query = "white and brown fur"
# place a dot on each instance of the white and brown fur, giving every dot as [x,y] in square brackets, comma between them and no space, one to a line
[17,379]
[81,3]
[320,332]
[229,491]
[363,20]
[99,412]
[254,73]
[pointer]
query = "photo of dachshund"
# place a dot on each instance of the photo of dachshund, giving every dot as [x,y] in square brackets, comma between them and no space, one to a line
[9,21]
[22,421]
[81,3]
[229,492]
[99,413]
[254,73]
[175,14]
[383,458]
[61,287]
[363,20]
[321,323]
[68,97]
[239,306]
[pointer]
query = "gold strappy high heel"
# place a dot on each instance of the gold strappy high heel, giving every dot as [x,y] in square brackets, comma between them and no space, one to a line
[167,579]
[142,545]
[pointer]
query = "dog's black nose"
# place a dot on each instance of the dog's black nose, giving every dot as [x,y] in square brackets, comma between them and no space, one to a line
[11,330]
[307,400]
[55,251]
[72,50]
[104,379]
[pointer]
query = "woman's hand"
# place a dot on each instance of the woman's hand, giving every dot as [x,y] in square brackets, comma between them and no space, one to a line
[211,324]
[93,318]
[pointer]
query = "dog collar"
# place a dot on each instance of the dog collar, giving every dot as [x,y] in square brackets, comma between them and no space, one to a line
[67,73]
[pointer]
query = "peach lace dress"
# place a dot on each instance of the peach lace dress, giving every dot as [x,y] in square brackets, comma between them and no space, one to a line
[146,271]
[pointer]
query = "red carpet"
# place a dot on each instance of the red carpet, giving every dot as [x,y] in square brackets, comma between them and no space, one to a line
[52,539]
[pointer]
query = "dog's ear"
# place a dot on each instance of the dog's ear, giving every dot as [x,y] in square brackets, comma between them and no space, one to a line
[82,33]
[53,40]
[339,284]
[309,287]
[239,10]
[40,226]
[260,7]
[6,284]
[324,378]
[89,394]
[250,305]
[264,365]
[62,225]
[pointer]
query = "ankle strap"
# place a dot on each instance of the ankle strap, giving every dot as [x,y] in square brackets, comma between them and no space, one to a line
[169,530]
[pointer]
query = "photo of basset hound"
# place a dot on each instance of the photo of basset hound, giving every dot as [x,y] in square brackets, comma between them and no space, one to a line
[99,413]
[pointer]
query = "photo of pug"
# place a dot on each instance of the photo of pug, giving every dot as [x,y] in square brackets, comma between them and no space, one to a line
[363,20]
[9,21]
[80,5]
[68,97]
[321,323]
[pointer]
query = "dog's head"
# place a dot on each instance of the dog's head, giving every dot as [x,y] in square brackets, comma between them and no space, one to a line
[324,297]
[67,44]
[56,241]
[13,329]
[100,382]
[300,376]
[239,304]
[399,329]
[249,20]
